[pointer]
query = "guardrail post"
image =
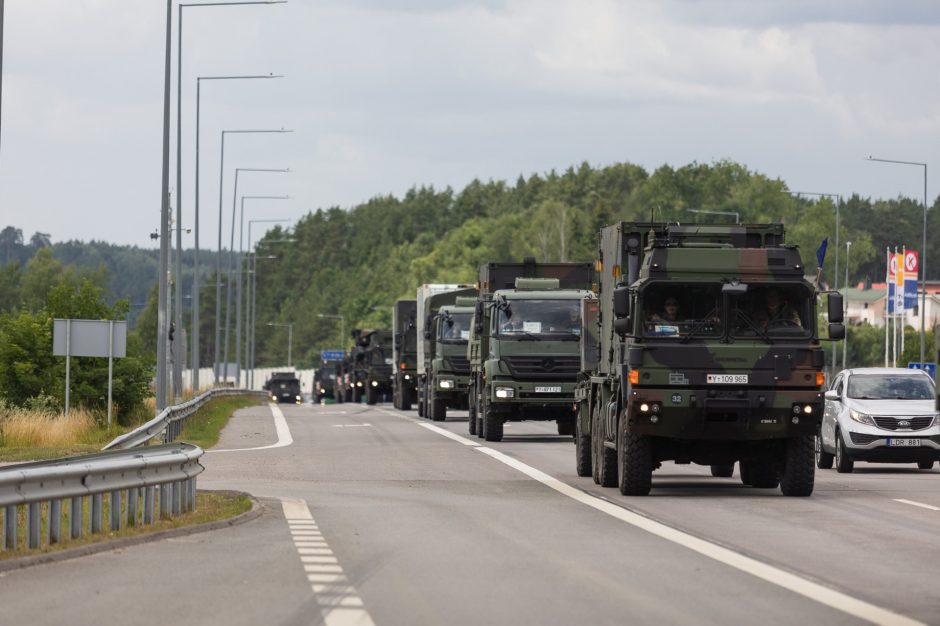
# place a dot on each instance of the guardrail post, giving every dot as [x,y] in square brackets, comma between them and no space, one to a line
[76,520]
[9,528]
[97,513]
[55,521]
[165,512]
[192,501]
[132,499]
[148,504]
[116,510]
[33,524]
[177,496]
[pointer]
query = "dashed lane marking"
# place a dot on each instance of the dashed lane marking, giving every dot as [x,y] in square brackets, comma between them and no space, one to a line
[284,438]
[929,507]
[814,591]
[339,601]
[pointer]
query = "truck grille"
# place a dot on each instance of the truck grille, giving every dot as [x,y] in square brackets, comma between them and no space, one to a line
[543,367]
[860,439]
[459,364]
[895,423]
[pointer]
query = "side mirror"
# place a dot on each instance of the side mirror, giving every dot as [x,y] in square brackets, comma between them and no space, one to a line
[837,331]
[836,313]
[623,326]
[622,302]
[832,394]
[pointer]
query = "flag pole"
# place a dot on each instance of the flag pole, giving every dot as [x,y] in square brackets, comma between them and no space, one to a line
[887,294]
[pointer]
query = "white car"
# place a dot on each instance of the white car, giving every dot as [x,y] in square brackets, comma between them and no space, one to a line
[882,415]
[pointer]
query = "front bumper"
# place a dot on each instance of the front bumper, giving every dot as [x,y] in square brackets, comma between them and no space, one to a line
[866,443]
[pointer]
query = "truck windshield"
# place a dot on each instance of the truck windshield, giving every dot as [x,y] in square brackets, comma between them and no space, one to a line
[774,311]
[541,319]
[455,328]
[681,310]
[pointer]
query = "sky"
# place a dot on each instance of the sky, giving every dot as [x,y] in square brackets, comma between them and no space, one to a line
[383,95]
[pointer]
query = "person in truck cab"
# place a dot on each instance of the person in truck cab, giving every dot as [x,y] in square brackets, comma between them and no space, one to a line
[777,313]
[670,312]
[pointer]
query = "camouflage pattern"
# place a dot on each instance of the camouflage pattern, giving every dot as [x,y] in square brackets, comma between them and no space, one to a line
[404,353]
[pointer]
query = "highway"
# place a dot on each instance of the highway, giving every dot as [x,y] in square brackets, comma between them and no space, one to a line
[375,516]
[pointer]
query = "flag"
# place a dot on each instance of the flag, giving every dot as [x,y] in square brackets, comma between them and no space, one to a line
[821,252]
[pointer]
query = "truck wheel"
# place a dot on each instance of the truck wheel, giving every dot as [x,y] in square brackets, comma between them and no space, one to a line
[582,450]
[799,472]
[605,459]
[844,463]
[745,473]
[634,462]
[823,458]
[925,465]
[492,423]
[405,401]
[420,404]
[438,410]
[472,418]
[371,395]
[763,475]
[340,398]
[357,396]
[565,428]
[723,470]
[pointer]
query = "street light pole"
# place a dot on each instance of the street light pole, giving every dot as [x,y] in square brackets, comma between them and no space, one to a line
[161,391]
[195,300]
[923,252]
[845,341]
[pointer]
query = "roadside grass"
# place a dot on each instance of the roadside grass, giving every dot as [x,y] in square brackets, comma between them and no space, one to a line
[203,427]
[210,507]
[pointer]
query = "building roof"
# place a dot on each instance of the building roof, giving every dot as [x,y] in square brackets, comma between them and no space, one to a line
[862,295]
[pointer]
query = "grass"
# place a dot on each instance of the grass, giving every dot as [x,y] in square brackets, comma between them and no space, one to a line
[210,507]
[203,427]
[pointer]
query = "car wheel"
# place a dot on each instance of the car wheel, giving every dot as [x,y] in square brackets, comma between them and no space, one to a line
[582,450]
[799,475]
[844,463]
[823,458]
[925,464]
[723,470]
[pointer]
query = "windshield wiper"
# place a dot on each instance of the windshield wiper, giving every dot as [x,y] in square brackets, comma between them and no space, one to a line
[520,335]
[740,315]
[700,325]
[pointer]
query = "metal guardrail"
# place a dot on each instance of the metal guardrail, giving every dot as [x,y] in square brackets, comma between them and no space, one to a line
[169,422]
[156,482]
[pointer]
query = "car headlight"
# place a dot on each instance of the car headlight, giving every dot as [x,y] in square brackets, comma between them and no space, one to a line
[505,392]
[936,420]
[861,418]
[446,384]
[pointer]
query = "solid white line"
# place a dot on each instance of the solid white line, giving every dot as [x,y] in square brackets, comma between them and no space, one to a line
[440,431]
[284,438]
[814,591]
[920,504]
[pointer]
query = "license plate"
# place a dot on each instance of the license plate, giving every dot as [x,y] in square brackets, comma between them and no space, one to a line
[548,390]
[904,443]
[726,379]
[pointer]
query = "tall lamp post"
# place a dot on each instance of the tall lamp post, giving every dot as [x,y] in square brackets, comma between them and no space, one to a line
[845,342]
[195,302]
[290,338]
[342,326]
[923,251]
[218,262]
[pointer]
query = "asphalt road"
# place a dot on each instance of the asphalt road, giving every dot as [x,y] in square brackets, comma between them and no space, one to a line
[374,516]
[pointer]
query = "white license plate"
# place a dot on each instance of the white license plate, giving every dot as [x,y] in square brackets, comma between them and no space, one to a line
[904,443]
[726,379]
[548,390]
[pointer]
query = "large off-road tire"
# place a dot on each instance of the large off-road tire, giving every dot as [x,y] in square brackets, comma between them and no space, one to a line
[925,465]
[420,404]
[605,459]
[745,470]
[582,450]
[357,395]
[844,463]
[723,470]
[340,397]
[634,461]
[405,400]
[438,410]
[763,475]
[799,467]
[472,416]
[823,458]
[372,395]
[565,428]
[492,423]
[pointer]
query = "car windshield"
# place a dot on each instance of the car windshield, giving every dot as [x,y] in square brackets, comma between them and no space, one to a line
[889,387]
[455,328]
[540,319]
[681,310]
[774,311]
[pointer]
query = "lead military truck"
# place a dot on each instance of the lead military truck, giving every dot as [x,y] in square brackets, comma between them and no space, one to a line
[524,344]
[730,378]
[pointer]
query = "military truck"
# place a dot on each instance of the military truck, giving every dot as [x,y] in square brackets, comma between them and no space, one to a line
[730,371]
[284,387]
[372,367]
[442,367]
[404,353]
[524,344]
[324,383]
[448,374]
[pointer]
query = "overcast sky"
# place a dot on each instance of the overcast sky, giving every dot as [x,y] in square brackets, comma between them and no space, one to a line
[386,94]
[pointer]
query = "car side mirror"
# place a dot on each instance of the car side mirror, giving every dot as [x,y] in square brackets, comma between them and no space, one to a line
[832,394]
[622,302]
[836,313]
[837,331]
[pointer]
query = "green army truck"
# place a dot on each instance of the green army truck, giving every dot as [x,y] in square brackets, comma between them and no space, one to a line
[702,347]
[524,344]
[443,328]
[404,353]
[373,364]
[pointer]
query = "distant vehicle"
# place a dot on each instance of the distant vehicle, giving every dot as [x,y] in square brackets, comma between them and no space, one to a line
[284,387]
[372,365]
[881,415]
[324,383]
[404,353]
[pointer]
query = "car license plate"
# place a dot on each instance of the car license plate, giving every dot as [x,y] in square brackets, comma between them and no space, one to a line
[726,379]
[548,389]
[903,443]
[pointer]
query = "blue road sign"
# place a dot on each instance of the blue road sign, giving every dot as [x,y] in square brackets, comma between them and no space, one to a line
[331,355]
[930,368]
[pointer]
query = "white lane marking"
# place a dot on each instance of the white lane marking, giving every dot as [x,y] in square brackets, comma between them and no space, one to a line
[352,425]
[440,431]
[929,507]
[339,602]
[284,438]
[814,591]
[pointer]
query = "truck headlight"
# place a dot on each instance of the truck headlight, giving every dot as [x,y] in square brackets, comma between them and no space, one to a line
[505,392]
[375,383]
[861,418]
[407,376]
[359,384]
[446,384]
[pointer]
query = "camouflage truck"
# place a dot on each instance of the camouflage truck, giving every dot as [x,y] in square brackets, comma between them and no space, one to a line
[524,344]
[324,383]
[702,347]
[372,367]
[442,364]
[404,354]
